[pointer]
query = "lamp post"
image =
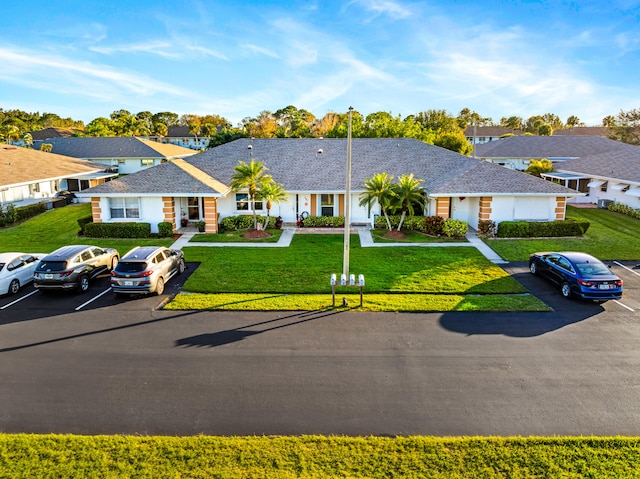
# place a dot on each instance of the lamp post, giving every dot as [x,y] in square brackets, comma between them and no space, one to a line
[347,203]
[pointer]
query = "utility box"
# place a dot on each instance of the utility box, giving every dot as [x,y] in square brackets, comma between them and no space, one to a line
[604,204]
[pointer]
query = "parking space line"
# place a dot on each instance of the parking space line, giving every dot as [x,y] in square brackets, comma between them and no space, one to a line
[19,299]
[623,305]
[627,268]
[92,299]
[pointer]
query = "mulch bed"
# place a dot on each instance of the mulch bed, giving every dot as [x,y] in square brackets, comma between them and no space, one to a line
[256,234]
[394,235]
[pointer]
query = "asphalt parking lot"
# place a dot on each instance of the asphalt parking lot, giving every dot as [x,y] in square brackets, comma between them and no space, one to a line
[95,363]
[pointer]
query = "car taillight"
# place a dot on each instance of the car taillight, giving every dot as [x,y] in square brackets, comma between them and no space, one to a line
[619,283]
[64,274]
[145,273]
[588,284]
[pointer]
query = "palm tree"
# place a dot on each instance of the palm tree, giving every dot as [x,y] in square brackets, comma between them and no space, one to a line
[272,192]
[378,188]
[27,139]
[251,177]
[408,193]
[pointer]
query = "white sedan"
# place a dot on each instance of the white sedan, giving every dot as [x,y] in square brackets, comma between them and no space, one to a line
[16,270]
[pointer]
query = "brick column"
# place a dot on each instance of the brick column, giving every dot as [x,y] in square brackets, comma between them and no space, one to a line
[561,207]
[211,215]
[442,207]
[96,210]
[484,213]
[169,210]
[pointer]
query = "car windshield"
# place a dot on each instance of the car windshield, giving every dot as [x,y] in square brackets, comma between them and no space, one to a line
[1,266]
[52,265]
[131,266]
[593,269]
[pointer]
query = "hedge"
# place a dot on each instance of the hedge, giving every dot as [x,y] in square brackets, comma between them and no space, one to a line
[323,222]
[243,222]
[29,211]
[117,230]
[82,222]
[624,210]
[542,229]
[431,225]
[165,229]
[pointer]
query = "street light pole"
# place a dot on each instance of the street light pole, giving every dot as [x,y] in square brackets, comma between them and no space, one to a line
[347,203]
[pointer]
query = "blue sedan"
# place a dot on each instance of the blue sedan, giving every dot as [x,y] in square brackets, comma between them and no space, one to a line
[577,274]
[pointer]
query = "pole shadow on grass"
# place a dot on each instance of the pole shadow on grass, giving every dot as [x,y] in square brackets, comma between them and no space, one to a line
[220,338]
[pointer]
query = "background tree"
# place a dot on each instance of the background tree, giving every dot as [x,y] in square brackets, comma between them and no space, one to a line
[46,147]
[160,129]
[27,139]
[466,118]
[10,133]
[262,126]
[573,121]
[513,122]
[225,136]
[626,127]
[251,177]
[378,188]
[167,117]
[100,126]
[455,142]
[536,167]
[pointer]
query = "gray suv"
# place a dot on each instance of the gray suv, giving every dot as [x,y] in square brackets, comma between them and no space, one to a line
[72,267]
[146,269]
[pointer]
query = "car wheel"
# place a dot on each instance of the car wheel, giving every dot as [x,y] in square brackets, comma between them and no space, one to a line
[533,267]
[83,284]
[160,286]
[566,290]
[181,267]
[14,287]
[114,263]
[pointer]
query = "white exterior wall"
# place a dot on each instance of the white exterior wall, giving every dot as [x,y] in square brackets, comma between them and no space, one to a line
[618,196]
[466,209]
[511,208]
[150,212]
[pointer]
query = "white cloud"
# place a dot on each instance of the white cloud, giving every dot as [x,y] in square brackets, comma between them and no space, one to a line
[394,10]
[260,50]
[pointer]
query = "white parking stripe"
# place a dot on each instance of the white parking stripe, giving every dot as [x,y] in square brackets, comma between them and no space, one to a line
[19,299]
[627,268]
[93,299]
[623,305]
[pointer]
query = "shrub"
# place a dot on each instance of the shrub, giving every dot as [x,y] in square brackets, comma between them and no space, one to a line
[165,229]
[243,222]
[624,209]
[29,211]
[542,229]
[455,228]
[82,222]
[324,221]
[433,225]
[487,228]
[118,230]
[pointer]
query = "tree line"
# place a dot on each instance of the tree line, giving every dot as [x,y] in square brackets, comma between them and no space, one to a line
[437,127]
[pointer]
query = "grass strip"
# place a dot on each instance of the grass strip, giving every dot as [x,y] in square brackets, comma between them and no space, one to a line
[371,302]
[235,237]
[413,237]
[55,456]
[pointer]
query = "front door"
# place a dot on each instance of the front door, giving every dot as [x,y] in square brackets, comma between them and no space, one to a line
[193,208]
[327,204]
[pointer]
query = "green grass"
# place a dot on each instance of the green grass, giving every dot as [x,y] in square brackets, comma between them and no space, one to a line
[307,265]
[235,237]
[375,302]
[414,237]
[307,457]
[58,227]
[611,236]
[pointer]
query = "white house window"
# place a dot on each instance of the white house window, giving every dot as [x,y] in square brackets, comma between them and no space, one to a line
[124,208]
[242,202]
[146,162]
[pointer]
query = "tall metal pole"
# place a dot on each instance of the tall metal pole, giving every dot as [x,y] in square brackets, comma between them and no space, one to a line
[347,203]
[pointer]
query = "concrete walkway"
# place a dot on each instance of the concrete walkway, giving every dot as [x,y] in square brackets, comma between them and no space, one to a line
[366,241]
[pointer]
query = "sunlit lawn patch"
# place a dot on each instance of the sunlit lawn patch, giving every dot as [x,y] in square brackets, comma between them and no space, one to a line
[235,237]
[413,237]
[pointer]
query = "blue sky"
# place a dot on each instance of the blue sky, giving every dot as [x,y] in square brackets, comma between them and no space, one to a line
[237,58]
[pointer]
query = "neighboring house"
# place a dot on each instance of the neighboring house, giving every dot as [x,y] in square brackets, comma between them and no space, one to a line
[477,135]
[122,154]
[53,132]
[605,177]
[29,176]
[313,172]
[583,131]
[179,135]
[516,152]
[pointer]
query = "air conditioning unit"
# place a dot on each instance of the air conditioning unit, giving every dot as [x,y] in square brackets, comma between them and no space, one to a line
[604,203]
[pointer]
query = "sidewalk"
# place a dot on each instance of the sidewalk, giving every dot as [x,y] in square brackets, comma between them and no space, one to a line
[366,241]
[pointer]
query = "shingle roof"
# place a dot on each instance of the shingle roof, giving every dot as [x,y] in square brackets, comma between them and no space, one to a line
[115,147]
[319,165]
[547,147]
[22,165]
[623,165]
[53,132]
[582,131]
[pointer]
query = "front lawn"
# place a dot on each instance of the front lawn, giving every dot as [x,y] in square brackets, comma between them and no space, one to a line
[310,457]
[610,236]
[413,237]
[59,227]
